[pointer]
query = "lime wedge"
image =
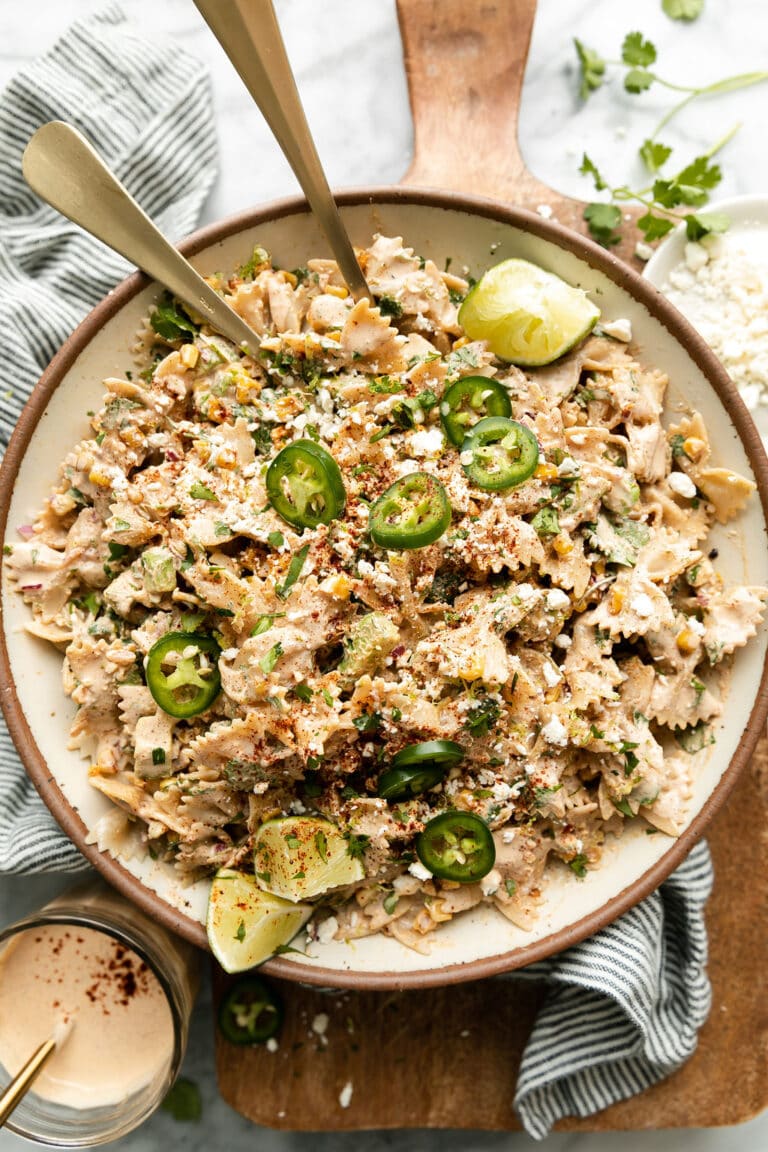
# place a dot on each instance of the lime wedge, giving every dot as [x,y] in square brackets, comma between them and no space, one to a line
[526,315]
[246,925]
[303,856]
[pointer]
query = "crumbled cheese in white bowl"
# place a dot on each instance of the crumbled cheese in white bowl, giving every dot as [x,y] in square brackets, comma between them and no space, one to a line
[721,286]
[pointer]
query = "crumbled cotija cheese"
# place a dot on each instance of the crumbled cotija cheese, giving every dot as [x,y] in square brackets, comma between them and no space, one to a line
[722,288]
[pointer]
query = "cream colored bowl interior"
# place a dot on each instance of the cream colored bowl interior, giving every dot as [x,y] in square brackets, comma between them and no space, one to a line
[475,242]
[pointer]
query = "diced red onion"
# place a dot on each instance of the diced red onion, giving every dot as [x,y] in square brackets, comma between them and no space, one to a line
[26,530]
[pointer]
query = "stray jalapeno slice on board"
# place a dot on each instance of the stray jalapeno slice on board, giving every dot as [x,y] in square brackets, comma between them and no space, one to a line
[183,673]
[250,1012]
[469,400]
[304,485]
[412,513]
[457,846]
[499,453]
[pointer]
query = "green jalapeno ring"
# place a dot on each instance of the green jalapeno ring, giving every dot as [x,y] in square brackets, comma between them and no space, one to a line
[183,692]
[250,1012]
[412,513]
[469,400]
[402,783]
[501,453]
[446,752]
[305,486]
[457,846]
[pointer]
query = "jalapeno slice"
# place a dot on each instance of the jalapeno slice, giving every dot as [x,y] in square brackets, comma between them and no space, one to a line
[402,783]
[412,513]
[457,846]
[304,485]
[182,684]
[499,453]
[446,752]
[250,1012]
[469,400]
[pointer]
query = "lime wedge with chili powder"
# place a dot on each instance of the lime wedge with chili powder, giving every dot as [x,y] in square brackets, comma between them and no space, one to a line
[298,857]
[246,925]
[526,315]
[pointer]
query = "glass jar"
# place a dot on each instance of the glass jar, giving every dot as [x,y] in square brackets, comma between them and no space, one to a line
[173,963]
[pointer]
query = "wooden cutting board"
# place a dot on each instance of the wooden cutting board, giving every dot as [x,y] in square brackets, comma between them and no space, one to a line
[448,1057]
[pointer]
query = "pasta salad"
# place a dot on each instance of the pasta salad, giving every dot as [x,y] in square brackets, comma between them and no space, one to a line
[379,620]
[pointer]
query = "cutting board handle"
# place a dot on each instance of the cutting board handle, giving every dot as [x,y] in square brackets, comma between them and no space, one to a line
[465,62]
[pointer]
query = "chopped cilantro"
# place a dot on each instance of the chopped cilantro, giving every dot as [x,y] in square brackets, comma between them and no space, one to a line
[170,320]
[294,571]
[268,662]
[199,491]
[389,306]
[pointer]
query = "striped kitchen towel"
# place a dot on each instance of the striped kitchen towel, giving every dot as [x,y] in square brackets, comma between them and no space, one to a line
[147,108]
[624,1007]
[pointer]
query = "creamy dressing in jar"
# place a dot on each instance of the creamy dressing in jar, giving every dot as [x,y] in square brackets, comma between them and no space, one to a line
[121,1035]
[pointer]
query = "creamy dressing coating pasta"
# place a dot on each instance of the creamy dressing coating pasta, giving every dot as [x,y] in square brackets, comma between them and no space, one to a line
[561,631]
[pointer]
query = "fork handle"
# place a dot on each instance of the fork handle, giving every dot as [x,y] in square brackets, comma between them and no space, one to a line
[61,166]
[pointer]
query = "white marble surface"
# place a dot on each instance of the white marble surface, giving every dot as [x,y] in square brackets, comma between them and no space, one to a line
[347,56]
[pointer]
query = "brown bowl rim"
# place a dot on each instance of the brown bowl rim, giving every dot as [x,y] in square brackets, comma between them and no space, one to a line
[678,327]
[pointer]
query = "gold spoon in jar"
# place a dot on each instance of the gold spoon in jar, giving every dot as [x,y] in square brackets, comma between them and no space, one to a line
[61,167]
[24,1078]
[249,33]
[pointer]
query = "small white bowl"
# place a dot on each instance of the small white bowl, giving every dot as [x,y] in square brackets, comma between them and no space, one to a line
[748,215]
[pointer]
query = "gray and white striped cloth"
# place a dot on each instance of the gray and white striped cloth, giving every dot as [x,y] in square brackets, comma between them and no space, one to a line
[147,109]
[624,1007]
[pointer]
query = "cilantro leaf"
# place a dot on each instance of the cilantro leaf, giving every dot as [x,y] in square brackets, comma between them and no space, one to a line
[700,224]
[636,51]
[199,491]
[687,10]
[638,80]
[183,1101]
[169,321]
[294,571]
[602,220]
[592,68]
[589,168]
[654,227]
[700,174]
[654,154]
[268,662]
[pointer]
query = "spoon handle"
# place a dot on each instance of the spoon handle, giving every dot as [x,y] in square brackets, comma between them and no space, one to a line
[61,166]
[249,33]
[24,1078]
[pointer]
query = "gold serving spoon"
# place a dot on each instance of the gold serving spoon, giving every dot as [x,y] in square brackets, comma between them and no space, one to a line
[249,33]
[24,1078]
[61,167]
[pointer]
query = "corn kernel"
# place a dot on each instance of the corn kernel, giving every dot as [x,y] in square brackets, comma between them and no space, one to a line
[617,600]
[288,277]
[462,340]
[545,471]
[562,545]
[99,478]
[189,355]
[333,334]
[338,585]
[600,567]
[337,290]
[687,641]
[694,448]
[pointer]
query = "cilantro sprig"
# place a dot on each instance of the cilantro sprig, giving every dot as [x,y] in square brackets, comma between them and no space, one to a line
[668,199]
